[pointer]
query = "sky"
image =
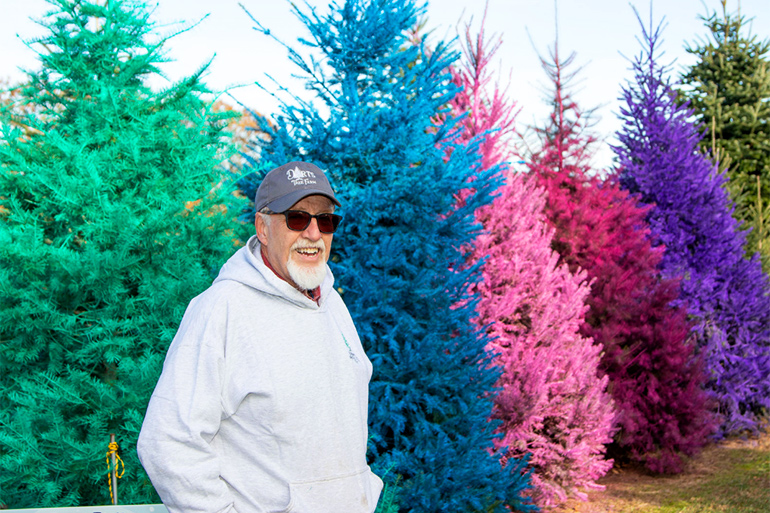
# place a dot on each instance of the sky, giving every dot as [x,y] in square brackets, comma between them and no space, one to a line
[602,34]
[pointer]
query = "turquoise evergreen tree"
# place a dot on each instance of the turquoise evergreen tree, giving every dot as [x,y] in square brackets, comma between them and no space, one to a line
[113,213]
[398,257]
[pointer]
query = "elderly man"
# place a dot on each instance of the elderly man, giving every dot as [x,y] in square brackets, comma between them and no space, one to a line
[262,402]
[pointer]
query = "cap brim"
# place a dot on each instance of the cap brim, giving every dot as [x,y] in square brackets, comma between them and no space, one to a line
[284,203]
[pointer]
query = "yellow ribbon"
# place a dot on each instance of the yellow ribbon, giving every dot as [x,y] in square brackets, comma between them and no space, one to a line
[114,450]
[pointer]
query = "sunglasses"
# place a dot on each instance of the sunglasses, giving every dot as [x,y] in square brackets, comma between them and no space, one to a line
[299,220]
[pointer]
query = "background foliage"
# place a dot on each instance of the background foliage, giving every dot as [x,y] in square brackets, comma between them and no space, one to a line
[515,320]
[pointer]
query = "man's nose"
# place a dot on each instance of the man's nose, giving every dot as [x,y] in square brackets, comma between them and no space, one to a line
[312,232]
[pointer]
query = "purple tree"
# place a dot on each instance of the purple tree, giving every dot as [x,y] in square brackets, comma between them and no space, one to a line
[551,402]
[727,296]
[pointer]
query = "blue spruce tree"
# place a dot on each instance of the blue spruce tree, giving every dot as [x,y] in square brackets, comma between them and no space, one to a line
[727,296]
[398,256]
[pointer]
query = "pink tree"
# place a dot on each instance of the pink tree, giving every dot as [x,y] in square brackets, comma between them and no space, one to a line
[551,403]
[655,377]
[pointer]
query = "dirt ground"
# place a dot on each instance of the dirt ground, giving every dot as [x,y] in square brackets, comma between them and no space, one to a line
[631,489]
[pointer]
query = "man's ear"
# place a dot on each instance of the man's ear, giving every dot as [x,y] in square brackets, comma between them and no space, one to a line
[262,228]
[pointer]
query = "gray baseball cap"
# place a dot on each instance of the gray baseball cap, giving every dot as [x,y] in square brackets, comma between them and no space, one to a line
[285,185]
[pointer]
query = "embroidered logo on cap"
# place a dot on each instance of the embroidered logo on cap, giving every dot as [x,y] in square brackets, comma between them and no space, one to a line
[299,176]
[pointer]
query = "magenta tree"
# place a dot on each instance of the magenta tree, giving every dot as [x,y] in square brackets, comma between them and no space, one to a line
[655,376]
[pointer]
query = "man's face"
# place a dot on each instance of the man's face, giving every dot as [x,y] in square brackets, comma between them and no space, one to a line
[298,257]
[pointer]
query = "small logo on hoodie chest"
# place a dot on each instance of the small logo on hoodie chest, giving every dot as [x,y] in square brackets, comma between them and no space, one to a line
[351,354]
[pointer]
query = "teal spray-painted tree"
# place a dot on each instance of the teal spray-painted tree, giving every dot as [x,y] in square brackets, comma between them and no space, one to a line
[112,216]
[551,402]
[655,377]
[397,256]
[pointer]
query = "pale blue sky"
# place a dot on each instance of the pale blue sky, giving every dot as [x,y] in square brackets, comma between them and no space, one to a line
[601,32]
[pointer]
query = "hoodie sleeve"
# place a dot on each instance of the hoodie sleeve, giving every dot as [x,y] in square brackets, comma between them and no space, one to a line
[184,414]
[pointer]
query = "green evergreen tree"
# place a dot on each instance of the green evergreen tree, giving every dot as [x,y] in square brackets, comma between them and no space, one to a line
[729,88]
[114,213]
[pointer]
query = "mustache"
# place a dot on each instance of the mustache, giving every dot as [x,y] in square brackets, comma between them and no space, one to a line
[306,244]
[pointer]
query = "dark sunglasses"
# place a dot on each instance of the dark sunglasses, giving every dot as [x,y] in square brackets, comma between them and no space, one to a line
[299,220]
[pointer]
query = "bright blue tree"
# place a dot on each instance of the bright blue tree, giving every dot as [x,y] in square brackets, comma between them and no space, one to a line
[727,297]
[398,257]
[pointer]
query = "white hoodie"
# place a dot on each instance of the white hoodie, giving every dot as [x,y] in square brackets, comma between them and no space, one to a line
[262,403]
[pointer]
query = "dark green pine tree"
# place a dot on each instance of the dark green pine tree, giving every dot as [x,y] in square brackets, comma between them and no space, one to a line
[729,89]
[114,213]
[398,256]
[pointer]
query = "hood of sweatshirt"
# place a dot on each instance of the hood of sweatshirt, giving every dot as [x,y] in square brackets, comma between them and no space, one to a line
[247,267]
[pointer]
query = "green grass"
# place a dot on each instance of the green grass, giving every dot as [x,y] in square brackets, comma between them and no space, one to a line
[732,477]
[740,486]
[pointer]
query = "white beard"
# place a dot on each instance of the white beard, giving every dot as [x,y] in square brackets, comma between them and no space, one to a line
[305,276]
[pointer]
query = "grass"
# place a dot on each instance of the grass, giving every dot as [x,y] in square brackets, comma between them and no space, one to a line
[729,477]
